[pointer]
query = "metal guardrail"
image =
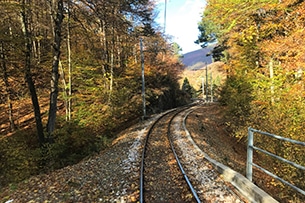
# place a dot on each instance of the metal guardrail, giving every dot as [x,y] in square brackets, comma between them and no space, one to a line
[251,148]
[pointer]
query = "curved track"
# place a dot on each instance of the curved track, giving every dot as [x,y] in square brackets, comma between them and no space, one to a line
[227,191]
[162,177]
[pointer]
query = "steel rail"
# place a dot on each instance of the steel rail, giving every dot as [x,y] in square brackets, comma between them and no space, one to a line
[178,161]
[143,154]
[197,147]
[172,147]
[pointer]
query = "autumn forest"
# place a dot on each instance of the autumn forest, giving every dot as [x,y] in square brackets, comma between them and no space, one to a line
[76,66]
[262,45]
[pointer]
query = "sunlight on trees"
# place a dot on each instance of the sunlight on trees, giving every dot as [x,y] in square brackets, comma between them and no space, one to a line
[263,43]
[89,51]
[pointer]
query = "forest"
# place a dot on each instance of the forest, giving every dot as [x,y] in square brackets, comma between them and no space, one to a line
[262,45]
[74,68]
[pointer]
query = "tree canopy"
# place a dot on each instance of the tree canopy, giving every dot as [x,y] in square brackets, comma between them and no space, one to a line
[262,44]
[80,61]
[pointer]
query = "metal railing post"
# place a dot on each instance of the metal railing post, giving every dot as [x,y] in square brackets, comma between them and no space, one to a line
[250,163]
[249,155]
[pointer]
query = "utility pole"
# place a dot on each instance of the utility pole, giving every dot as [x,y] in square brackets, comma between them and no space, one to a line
[143,78]
[211,88]
[202,88]
[206,86]
[165,7]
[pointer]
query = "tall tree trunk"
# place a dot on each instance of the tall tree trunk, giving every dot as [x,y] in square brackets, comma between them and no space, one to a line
[7,87]
[106,57]
[111,66]
[57,15]
[69,64]
[114,12]
[28,74]
[111,76]
[39,50]
[65,95]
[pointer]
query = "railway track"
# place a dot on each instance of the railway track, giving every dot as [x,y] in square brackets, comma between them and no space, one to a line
[162,177]
[174,170]
[204,175]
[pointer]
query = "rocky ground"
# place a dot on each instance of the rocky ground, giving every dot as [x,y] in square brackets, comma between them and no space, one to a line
[106,177]
[112,175]
[207,182]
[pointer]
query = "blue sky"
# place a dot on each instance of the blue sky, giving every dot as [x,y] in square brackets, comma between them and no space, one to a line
[181,21]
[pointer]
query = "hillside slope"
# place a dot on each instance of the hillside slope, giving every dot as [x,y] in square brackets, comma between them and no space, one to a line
[197,73]
[112,175]
[198,56]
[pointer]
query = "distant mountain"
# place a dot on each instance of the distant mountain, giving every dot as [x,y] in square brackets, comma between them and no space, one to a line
[198,57]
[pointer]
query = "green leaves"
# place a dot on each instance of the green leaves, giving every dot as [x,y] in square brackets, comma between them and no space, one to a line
[208,33]
[265,88]
[187,88]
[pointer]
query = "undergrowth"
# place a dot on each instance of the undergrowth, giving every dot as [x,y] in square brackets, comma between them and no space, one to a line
[21,156]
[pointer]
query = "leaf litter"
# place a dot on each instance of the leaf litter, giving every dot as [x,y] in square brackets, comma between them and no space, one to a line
[112,175]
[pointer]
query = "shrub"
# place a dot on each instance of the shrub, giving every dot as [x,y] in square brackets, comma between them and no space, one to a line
[21,156]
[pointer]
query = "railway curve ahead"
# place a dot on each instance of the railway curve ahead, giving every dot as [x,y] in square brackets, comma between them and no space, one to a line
[162,177]
[173,171]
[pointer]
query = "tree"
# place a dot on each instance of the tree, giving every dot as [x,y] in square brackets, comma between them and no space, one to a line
[8,89]
[176,49]
[207,33]
[264,50]
[24,19]
[103,38]
[57,15]
[186,87]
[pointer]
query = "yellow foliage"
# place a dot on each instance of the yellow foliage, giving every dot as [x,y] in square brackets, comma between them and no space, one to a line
[266,89]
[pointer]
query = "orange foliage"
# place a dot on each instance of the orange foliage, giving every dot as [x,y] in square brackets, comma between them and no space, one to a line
[265,56]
